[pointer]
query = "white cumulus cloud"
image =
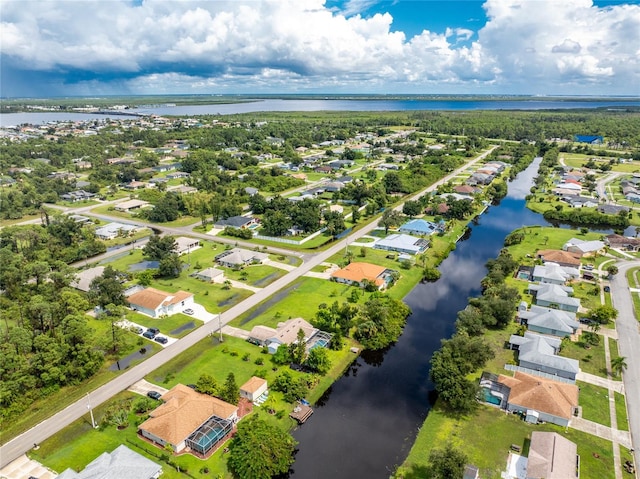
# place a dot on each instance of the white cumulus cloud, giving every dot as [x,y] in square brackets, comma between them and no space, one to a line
[297,45]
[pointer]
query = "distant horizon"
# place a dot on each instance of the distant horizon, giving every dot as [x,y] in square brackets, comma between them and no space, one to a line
[328,95]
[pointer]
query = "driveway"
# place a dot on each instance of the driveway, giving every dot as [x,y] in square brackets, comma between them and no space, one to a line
[23,468]
[143,386]
[126,324]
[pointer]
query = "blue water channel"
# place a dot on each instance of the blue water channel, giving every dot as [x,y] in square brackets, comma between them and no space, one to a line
[365,425]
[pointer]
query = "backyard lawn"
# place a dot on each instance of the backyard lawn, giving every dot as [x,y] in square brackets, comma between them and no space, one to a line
[486,435]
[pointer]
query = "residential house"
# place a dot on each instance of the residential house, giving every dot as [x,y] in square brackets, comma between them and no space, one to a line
[479,179]
[184,245]
[470,472]
[466,190]
[189,419]
[419,227]
[81,220]
[612,209]
[121,463]
[78,195]
[549,321]
[177,174]
[584,248]
[287,333]
[360,274]
[250,190]
[323,169]
[633,197]
[540,353]
[553,273]
[113,230]
[83,279]
[253,388]
[211,275]
[402,243]
[135,185]
[239,257]
[562,258]
[552,456]
[554,296]
[622,242]
[333,186]
[156,303]
[129,205]
[576,201]
[540,399]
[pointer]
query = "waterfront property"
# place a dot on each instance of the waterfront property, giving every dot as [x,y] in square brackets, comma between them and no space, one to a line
[156,303]
[554,296]
[189,420]
[583,248]
[121,463]
[253,388]
[549,321]
[402,244]
[539,399]
[553,273]
[361,274]
[622,242]
[539,353]
[287,333]
[562,258]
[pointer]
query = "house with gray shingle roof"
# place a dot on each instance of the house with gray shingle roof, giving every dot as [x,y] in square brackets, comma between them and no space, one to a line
[121,463]
[554,296]
[553,273]
[540,353]
[549,321]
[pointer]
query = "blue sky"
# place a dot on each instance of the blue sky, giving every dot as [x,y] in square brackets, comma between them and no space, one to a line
[99,47]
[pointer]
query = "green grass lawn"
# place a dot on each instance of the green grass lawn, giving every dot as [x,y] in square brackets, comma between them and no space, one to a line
[4,223]
[621,412]
[537,238]
[592,360]
[632,278]
[594,401]
[613,348]
[255,275]
[109,210]
[167,324]
[486,436]
[78,444]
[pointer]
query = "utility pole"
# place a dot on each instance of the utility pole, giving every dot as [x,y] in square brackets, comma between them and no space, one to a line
[93,422]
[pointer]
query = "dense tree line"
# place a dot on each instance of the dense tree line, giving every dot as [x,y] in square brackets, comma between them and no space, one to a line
[467,351]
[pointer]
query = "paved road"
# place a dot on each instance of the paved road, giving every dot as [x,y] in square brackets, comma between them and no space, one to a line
[629,347]
[23,443]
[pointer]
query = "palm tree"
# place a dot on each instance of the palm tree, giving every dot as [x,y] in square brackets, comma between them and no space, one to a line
[595,326]
[618,365]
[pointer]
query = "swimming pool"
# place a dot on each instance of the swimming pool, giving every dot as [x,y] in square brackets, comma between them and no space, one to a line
[490,398]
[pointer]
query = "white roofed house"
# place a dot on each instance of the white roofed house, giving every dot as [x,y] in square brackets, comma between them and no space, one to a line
[553,273]
[211,275]
[185,245]
[156,303]
[402,243]
[239,257]
[113,230]
[584,248]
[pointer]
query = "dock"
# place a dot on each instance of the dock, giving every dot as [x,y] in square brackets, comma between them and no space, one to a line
[301,413]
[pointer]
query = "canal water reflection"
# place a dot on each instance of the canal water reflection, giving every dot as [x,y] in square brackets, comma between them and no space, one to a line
[365,425]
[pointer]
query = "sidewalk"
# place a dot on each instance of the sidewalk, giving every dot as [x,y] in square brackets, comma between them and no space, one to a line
[595,429]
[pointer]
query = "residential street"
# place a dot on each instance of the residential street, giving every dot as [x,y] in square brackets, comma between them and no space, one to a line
[45,429]
[629,347]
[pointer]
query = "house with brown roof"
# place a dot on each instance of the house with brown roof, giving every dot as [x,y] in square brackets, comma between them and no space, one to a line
[540,399]
[253,388]
[358,274]
[562,258]
[552,456]
[189,419]
[156,303]
[622,242]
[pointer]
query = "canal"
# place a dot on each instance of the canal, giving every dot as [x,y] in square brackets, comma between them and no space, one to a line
[366,423]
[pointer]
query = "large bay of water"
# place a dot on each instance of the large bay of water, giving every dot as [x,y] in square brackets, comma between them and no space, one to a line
[366,423]
[8,119]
